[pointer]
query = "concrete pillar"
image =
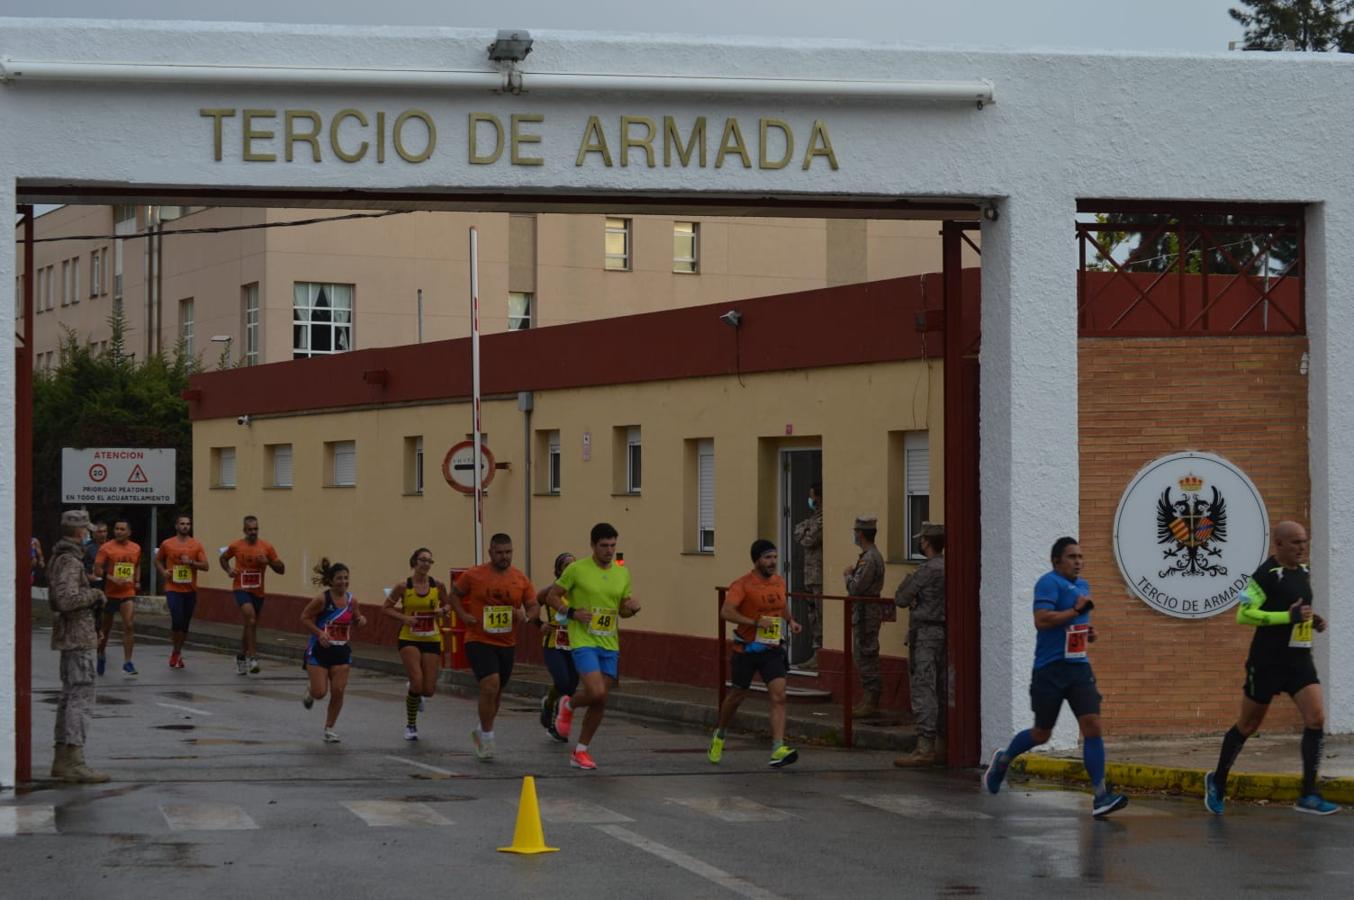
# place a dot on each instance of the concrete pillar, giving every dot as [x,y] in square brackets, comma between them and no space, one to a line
[1029,465]
[1330,327]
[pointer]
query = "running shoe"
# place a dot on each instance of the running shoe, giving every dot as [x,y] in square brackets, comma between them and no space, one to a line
[128,669]
[173,660]
[716,751]
[564,718]
[1106,803]
[178,661]
[580,759]
[253,665]
[546,718]
[102,664]
[411,732]
[783,756]
[241,666]
[996,771]
[331,737]
[1316,805]
[484,748]
[307,701]
[562,738]
[1213,799]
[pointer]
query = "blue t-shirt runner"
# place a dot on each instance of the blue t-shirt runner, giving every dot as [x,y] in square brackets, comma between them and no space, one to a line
[1062,672]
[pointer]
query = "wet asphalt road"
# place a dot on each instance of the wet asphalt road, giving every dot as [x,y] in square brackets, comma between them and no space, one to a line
[222,784]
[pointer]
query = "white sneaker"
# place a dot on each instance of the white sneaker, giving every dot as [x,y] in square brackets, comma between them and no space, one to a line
[331,737]
[253,665]
[307,701]
[484,747]
[411,732]
[241,665]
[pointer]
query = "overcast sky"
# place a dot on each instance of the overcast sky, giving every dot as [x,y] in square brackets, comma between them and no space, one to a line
[1197,26]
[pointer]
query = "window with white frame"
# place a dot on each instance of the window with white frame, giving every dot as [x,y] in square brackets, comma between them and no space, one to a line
[685,247]
[66,282]
[224,464]
[633,458]
[96,272]
[37,291]
[49,288]
[342,463]
[553,463]
[75,280]
[520,309]
[418,465]
[282,465]
[186,325]
[124,222]
[705,496]
[618,245]
[322,319]
[413,465]
[916,486]
[249,304]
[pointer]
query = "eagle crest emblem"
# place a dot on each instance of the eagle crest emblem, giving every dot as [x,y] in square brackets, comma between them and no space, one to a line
[1191,528]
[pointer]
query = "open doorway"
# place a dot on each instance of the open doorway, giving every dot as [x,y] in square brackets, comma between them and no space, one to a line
[801,468]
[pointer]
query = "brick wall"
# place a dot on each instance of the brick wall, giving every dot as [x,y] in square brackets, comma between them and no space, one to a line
[1240,397]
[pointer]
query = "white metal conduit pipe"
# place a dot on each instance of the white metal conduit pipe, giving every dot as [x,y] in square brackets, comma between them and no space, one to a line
[15,72]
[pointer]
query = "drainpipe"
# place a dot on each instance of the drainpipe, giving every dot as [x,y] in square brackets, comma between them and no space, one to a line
[525,402]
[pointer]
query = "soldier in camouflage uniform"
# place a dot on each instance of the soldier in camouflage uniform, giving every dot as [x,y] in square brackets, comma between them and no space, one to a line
[866,579]
[923,592]
[75,605]
[809,535]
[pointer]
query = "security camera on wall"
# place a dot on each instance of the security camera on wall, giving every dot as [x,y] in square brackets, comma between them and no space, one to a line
[242,420]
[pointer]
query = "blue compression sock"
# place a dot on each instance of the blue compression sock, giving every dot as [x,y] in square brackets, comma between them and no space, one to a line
[1021,743]
[1093,754]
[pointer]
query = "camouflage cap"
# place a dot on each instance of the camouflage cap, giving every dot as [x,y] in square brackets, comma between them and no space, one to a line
[75,518]
[867,523]
[932,529]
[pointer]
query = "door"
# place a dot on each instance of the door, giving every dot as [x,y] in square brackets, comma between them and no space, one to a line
[800,468]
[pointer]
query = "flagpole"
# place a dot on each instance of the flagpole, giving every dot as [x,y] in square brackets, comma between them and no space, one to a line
[475,391]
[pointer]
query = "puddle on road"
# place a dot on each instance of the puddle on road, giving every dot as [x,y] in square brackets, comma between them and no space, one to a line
[221,742]
[431,798]
[174,727]
[274,695]
[137,852]
[100,699]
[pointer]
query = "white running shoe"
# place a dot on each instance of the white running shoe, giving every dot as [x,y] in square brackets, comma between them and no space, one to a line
[484,748]
[253,665]
[241,665]
[307,701]
[331,737]
[411,732]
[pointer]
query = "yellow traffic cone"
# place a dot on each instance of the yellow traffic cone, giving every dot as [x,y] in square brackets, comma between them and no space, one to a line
[527,837]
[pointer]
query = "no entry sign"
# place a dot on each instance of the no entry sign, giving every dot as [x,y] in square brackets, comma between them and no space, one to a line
[458,468]
[116,476]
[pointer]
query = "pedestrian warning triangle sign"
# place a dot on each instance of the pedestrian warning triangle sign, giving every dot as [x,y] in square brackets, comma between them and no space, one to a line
[137,476]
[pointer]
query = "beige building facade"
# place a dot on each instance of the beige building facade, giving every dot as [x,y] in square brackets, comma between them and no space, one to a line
[246,286]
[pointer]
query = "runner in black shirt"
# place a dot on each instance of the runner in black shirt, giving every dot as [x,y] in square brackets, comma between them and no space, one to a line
[1278,603]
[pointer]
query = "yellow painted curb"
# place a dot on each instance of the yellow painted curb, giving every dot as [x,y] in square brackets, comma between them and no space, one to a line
[1240,785]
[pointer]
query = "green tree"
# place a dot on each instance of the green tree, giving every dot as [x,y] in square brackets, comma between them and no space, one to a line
[1316,25]
[107,399]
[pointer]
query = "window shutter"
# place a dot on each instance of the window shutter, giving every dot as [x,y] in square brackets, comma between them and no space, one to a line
[917,463]
[226,467]
[282,466]
[345,463]
[705,492]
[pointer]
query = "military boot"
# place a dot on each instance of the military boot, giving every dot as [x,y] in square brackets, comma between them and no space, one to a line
[60,761]
[78,772]
[867,708]
[924,754]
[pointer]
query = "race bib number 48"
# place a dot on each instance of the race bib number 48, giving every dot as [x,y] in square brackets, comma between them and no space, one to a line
[497,619]
[602,623]
[1077,639]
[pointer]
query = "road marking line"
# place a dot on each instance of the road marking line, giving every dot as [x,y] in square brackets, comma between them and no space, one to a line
[187,709]
[395,813]
[422,765]
[207,817]
[577,812]
[732,809]
[27,820]
[916,807]
[690,863]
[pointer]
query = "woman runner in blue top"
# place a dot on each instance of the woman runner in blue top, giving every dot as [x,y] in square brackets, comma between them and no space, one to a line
[328,656]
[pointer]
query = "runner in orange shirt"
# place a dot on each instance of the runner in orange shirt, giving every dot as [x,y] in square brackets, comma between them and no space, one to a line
[491,599]
[252,557]
[178,560]
[756,604]
[118,563]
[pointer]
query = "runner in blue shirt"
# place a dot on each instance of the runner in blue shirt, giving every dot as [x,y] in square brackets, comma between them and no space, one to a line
[1062,617]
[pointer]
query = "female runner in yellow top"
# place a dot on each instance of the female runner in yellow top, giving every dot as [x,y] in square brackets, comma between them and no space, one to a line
[419,604]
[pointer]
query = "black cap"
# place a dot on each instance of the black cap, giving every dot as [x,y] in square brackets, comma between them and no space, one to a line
[761,546]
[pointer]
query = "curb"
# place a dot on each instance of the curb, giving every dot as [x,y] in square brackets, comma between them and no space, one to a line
[1190,782]
[702,715]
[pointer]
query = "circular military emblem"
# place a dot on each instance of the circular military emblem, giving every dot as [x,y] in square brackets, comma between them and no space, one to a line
[1189,531]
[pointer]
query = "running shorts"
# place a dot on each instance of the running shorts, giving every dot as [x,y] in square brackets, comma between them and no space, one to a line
[1058,681]
[328,657]
[770,664]
[595,659]
[243,597]
[1263,681]
[432,647]
[490,659]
